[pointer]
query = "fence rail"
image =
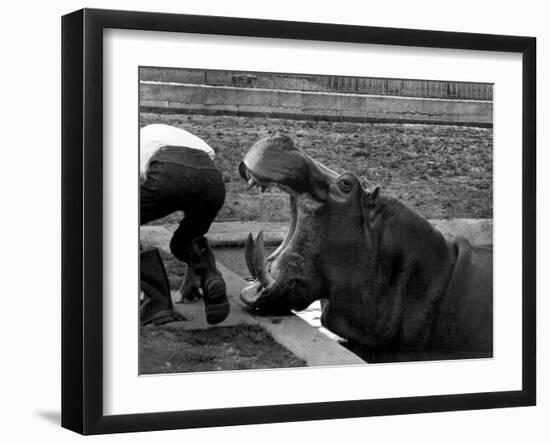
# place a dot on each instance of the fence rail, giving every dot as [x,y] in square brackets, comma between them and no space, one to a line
[324,83]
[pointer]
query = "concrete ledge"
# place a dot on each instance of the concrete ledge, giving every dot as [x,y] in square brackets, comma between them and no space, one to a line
[477,231]
[182,97]
[234,234]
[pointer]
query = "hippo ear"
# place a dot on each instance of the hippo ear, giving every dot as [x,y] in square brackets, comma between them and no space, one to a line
[371,198]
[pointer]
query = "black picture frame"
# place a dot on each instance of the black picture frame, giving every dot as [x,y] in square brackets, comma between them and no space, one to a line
[82,220]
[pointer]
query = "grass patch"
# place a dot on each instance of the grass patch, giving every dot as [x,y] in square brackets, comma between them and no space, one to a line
[169,349]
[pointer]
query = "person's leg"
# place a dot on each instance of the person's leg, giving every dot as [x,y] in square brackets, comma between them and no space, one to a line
[203,263]
[156,306]
[189,245]
[154,195]
[200,210]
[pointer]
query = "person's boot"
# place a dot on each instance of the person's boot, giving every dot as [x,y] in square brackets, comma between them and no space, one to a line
[156,306]
[202,260]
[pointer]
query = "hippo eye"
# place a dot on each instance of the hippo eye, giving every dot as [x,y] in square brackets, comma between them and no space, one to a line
[345,185]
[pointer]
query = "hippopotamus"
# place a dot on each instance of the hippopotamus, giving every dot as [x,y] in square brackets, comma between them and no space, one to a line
[388,281]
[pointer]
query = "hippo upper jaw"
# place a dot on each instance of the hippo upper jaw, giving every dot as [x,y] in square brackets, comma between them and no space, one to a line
[275,160]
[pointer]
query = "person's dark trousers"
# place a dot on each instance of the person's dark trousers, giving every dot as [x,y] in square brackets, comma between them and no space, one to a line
[156,306]
[183,179]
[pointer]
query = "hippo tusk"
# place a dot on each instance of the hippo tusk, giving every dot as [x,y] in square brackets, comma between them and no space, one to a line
[255,259]
[259,261]
[249,256]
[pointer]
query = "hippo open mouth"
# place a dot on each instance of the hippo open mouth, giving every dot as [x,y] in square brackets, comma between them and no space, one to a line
[290,277]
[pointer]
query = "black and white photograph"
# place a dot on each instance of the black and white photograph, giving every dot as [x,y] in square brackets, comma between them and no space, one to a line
[295,220]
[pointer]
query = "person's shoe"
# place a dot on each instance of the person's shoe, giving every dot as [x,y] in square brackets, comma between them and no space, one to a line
[214,291]
[215,300]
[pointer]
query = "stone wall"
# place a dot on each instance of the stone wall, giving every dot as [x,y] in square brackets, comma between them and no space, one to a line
[208,99]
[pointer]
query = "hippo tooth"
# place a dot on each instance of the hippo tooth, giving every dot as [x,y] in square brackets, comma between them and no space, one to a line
[259,261]
[251,183]
[251,293]
[249,256]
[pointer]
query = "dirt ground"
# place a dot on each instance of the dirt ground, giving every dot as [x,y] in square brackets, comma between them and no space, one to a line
[440,171]
[167,349]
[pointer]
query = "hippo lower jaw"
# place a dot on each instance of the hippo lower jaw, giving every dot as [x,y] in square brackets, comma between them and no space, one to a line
[267,293]
[280,299]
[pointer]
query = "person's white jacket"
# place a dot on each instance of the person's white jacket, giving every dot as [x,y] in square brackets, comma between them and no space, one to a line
[155,136]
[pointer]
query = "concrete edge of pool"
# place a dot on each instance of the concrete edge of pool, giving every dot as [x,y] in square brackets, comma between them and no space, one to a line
[479,231]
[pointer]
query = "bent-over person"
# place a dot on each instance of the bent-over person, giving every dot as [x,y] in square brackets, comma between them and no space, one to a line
[177,173]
